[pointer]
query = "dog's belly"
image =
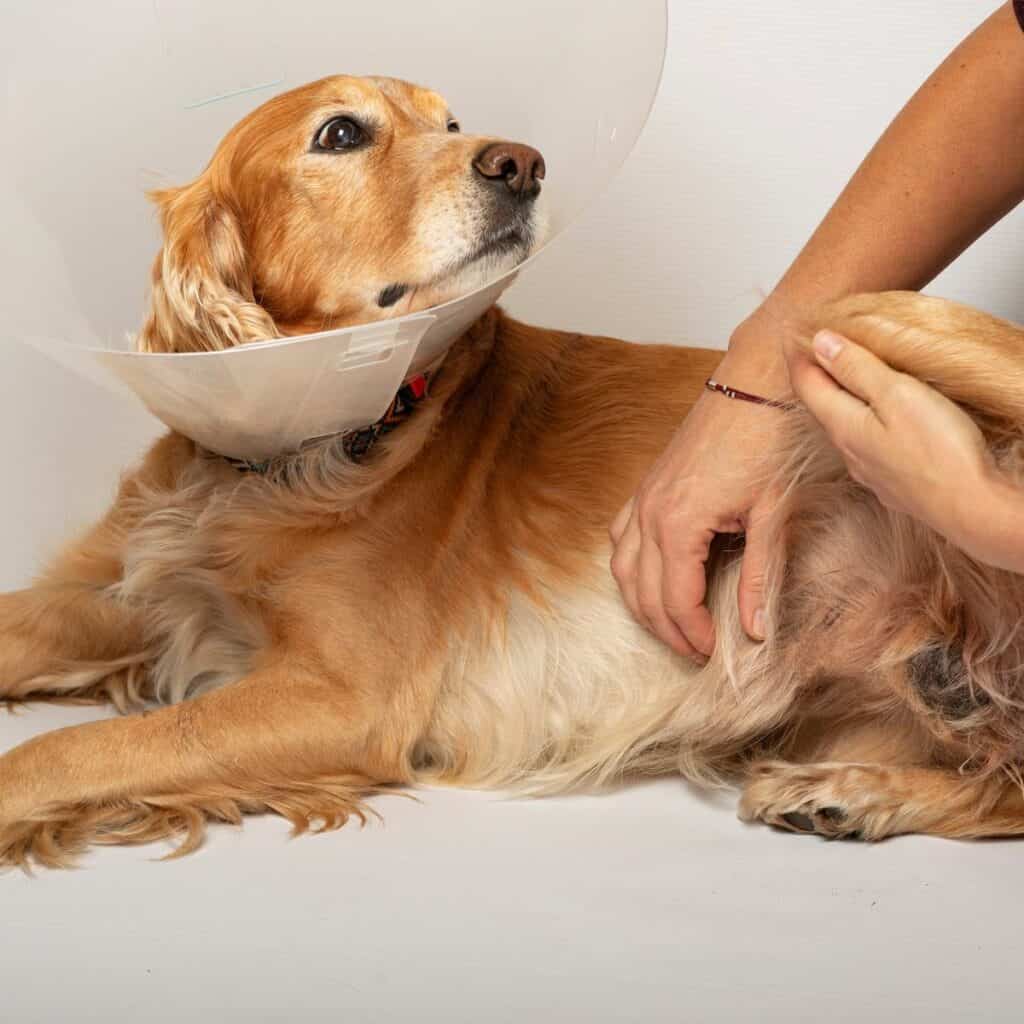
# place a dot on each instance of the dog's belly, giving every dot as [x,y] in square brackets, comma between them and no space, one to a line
[559,694]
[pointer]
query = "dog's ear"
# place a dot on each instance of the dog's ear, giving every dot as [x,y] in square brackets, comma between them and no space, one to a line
[202,287]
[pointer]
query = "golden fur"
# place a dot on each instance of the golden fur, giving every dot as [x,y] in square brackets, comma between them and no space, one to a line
[444,612]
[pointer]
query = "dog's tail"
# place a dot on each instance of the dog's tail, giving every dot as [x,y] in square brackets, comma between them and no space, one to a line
[974,359]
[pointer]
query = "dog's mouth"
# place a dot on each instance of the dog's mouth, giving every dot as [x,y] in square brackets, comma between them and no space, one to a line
[512,238]
[515,239]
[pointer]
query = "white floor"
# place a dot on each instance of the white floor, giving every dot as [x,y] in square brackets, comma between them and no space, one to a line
[651,904]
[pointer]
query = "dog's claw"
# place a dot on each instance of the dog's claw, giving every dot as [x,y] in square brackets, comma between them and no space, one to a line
[801,822]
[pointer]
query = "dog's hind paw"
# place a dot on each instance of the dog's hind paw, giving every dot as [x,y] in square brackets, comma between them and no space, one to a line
[835,801]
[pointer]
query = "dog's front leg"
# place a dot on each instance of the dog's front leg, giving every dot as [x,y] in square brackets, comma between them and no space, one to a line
[61,638]
[281,739]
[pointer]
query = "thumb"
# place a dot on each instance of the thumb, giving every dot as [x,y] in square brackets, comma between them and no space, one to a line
[754,569]
[859,371]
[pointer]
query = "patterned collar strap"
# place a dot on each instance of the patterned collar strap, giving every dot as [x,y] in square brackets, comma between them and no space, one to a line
[357,443]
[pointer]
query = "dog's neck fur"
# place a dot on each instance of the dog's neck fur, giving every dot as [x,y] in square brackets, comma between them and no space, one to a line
[332,458]
[349,445]
[486,402]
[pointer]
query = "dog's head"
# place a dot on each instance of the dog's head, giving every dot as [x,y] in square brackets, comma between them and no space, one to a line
[341,202]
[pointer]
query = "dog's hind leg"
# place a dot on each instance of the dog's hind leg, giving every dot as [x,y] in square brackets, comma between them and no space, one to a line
[970,356]
[869,801]
[62,640]
[282,739]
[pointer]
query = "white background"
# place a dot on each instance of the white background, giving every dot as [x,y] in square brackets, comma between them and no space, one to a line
[650,904]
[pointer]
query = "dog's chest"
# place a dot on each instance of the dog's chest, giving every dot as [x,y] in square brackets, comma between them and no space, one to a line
[556,694]
[552,692]
[201,620]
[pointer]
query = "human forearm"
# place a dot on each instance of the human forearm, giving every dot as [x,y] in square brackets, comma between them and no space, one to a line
[941,175]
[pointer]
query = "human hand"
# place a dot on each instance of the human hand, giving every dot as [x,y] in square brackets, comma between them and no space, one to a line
[914,448]
[710,479]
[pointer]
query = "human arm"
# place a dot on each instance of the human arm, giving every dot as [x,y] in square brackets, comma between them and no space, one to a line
[944,171]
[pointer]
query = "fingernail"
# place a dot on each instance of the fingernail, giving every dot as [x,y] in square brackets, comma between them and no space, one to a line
[759,624]
[828,344]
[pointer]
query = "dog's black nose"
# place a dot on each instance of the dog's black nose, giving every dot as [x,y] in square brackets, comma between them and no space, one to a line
[520,167]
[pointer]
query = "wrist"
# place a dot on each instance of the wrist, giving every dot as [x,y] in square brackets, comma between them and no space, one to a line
[755,359]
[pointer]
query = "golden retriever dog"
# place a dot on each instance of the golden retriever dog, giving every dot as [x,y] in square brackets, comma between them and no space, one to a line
[438,608]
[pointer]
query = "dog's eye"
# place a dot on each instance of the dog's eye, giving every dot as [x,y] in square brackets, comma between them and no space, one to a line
[339,133]
[454,126]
